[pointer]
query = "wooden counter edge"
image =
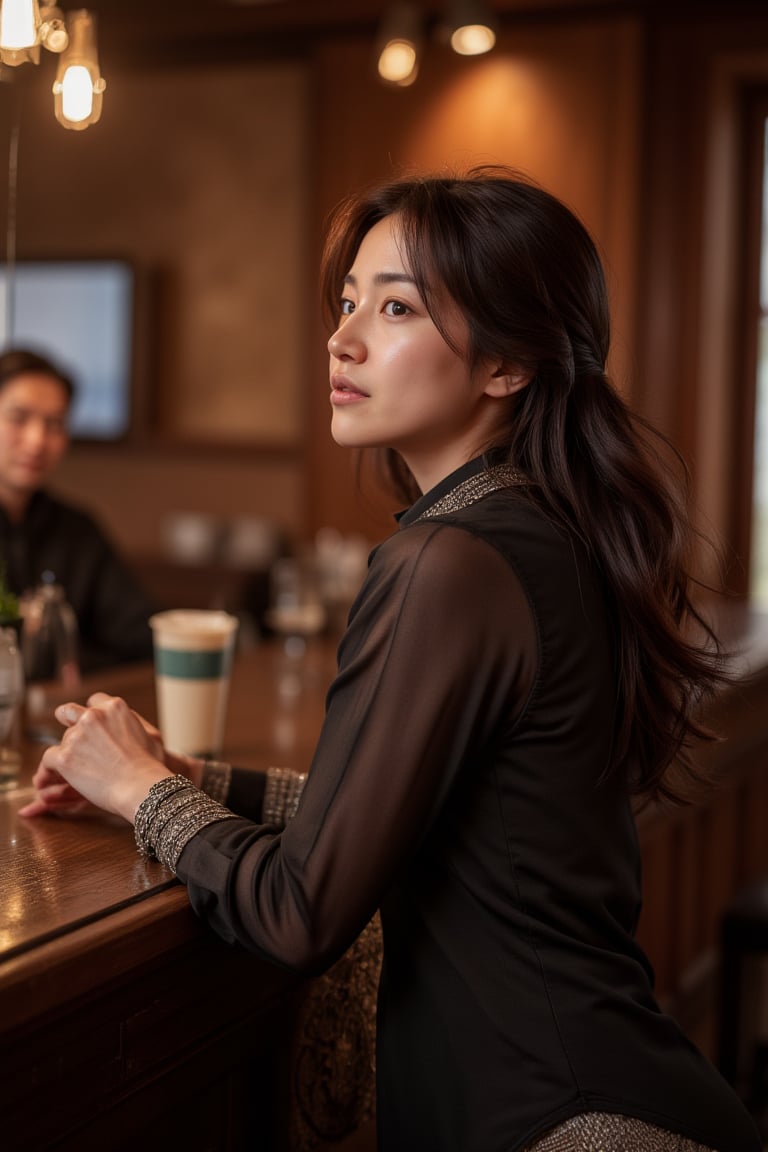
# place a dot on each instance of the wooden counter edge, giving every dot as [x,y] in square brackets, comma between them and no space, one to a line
[55,972]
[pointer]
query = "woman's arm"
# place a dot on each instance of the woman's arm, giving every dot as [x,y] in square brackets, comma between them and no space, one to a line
[428,670]
[441,649]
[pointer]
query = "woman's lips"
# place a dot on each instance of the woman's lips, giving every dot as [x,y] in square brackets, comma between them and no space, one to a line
[343,391]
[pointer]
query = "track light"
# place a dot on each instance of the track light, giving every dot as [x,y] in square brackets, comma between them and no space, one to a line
[472,31]
[399,44]
[468,26]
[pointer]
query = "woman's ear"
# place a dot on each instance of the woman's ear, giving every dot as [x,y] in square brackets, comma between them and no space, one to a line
[506,380]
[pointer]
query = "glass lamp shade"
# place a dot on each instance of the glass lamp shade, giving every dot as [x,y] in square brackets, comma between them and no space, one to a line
[19,32]
[19,24]
[79,86]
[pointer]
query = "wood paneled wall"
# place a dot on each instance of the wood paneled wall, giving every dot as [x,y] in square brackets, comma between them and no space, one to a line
[694,377]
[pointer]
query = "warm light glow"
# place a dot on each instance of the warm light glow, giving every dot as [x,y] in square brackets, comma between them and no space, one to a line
[19,22]
[398,43]
[472,27]
[473,39]
[397,62]
[79,85]
[76,94]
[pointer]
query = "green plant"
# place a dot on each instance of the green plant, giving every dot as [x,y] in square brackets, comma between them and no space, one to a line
[9,601]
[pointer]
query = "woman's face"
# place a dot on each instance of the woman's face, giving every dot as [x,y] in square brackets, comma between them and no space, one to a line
[395,382]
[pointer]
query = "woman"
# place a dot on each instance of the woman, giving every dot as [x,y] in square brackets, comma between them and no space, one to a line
[520,663]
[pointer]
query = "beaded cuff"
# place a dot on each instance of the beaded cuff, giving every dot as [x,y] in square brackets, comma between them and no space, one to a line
[613,1133]
[216,779]
[282,794]
[173,812]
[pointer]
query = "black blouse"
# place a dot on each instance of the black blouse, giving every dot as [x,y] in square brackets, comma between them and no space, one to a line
[459,785]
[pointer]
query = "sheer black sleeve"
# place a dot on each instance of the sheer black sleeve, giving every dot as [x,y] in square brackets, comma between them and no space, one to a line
[440,651]
[246,792]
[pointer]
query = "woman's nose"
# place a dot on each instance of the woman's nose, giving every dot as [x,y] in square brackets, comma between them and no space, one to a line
[345,343]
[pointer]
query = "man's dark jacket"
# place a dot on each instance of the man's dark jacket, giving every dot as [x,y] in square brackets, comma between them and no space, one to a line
[64,541]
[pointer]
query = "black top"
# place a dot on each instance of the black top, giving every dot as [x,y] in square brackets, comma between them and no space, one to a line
[458,783]
[112,611]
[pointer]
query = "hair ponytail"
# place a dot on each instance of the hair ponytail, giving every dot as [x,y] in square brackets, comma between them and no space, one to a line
[605,473]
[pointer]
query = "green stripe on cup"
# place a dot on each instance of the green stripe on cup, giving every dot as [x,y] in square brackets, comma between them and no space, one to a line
[192,665]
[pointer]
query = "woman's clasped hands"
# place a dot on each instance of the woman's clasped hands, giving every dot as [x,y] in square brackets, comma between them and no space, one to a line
[108,756]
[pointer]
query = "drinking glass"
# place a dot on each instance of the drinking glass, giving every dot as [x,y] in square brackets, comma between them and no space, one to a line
[296,611]
[296,614]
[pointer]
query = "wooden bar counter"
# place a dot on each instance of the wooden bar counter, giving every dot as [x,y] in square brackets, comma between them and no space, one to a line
[124,1022]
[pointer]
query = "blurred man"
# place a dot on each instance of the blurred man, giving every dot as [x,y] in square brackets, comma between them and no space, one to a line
[44,539]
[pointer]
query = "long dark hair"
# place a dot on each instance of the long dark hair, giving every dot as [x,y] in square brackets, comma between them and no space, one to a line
[529,282]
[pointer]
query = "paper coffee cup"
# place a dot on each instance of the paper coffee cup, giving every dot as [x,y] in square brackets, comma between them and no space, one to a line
[193,660]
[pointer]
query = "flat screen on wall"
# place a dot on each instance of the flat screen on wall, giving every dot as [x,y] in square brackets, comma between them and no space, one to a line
[80,314]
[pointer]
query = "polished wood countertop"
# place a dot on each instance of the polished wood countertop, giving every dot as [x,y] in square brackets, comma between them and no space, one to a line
[79,884]
[75,885]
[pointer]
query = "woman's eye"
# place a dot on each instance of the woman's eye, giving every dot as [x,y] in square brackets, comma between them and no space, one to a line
[347,307]
[396,308]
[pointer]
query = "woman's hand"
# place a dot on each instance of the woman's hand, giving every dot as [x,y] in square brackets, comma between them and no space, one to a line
[108,756]
[55,797]
[176,762]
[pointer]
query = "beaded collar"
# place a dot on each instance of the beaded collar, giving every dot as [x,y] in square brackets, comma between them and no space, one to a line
[474,488]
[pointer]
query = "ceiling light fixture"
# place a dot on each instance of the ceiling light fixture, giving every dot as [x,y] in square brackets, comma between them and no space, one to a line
[79,85]
[19,20]
[468,27]
[53,30]
[472,30]
[398,44]
[25,25]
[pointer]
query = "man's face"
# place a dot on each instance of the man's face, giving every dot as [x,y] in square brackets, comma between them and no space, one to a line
[33,432]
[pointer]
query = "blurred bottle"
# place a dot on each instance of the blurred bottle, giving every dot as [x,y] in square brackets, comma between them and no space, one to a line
[50,638]
[296,609]
[11,703]
[342,562]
